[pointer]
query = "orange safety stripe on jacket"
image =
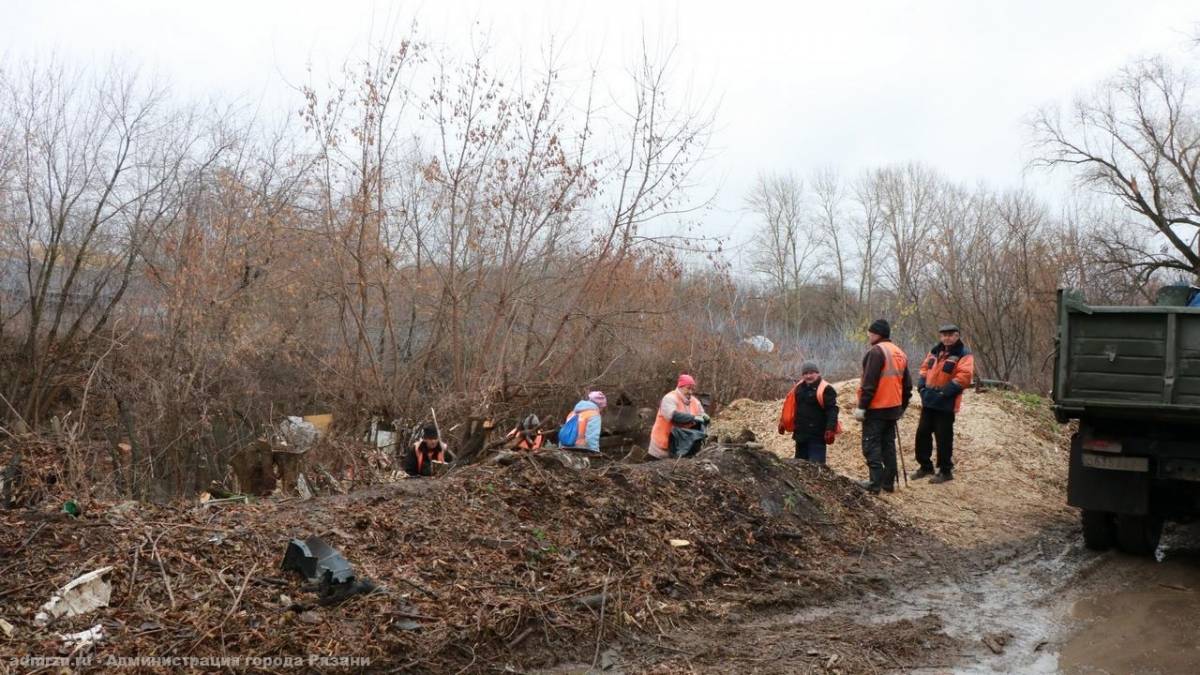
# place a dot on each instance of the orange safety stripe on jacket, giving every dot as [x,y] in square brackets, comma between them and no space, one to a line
[438,456]
[661,433]
[526,444]
[890,391]
[787,420]
[963,374]
[581,436]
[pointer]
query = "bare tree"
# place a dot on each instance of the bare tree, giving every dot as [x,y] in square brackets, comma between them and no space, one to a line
[103,164]
[1136,139]
[829,193]
[784,247]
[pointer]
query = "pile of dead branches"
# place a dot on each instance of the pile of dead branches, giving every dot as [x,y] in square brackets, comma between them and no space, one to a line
[528,563]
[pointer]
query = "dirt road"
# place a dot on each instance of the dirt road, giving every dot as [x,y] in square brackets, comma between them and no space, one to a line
[1013,590]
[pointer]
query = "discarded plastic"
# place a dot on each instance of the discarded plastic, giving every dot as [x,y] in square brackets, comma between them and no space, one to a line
[679,543]
[298,433]
[322,565]
[83,638]
[760,343]
[82,595]
[7,628]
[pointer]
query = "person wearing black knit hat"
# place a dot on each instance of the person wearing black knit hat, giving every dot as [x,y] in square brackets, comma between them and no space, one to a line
[425,453]
[883,395]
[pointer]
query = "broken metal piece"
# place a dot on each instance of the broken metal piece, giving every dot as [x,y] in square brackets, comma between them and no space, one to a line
[321,564]
[317,561]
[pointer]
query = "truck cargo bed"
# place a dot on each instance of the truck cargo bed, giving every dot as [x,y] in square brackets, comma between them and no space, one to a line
[1141,362]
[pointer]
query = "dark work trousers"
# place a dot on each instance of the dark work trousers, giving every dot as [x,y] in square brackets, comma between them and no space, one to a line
[812,449]
[879,449]
[936,425]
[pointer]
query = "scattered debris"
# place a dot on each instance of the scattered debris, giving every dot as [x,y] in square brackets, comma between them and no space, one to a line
[71,508]
[997,641]
[680,543]
[297,433]
[7,628]
[83,638]
[80,596]
[321,422]
[302,488]
[485,555]
[321,564]
[760,343]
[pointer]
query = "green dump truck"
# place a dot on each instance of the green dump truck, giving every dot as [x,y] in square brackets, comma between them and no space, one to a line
[1131,376]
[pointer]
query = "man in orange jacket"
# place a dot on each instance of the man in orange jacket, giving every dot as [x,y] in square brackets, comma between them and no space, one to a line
[883,396]
[810,413]
[946,371]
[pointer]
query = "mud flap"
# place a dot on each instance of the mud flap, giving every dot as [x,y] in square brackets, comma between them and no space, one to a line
[1107,490]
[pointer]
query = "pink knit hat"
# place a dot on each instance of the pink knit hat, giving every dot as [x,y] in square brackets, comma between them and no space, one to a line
[598,398]
[686,380]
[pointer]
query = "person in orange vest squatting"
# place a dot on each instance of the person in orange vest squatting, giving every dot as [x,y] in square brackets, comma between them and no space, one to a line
[810,413]
[679,409]
[883,396]
[419,461]
[581,429]
[527,435]
[946,371]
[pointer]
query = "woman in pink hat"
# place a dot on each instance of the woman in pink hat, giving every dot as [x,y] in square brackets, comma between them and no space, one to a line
[679,408]
[586,423]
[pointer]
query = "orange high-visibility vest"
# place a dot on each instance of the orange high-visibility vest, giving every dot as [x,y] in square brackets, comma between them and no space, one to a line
[787,420]
[661,433]
[581,437]
[890,392]
[439,455]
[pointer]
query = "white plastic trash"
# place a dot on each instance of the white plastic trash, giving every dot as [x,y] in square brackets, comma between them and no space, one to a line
[760,343]
[82,595]
[83,638]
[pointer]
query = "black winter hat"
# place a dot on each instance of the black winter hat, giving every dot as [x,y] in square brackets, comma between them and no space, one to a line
[430,431]
[881,328]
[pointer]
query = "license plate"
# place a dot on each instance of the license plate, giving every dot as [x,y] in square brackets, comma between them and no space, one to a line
[1116,463]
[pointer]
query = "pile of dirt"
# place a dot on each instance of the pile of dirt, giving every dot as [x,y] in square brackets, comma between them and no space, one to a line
[527,564]
[1010,464]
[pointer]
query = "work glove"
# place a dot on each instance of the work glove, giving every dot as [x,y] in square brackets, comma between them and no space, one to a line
[782,431]
[860,414]
[829,437]
[703,419]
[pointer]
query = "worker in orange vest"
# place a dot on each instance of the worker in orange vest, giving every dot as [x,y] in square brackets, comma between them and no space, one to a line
[810,414]
[883,395]
[946,371]
[430,449]
[527,435]
[679,408]
[587,423]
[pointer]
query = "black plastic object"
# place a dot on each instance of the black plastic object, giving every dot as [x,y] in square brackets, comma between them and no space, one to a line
[325,567]
[317,561]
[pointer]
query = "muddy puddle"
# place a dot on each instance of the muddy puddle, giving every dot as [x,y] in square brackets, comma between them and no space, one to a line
[1005,615]
[1139,615]
[1055,607]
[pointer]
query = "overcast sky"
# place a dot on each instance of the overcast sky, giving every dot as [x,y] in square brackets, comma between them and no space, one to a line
[799,84]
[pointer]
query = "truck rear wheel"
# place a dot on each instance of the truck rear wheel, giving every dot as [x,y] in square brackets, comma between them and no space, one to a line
[1099,533]
[1138,535]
